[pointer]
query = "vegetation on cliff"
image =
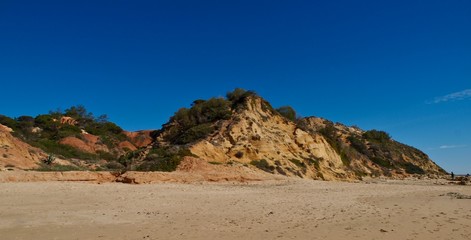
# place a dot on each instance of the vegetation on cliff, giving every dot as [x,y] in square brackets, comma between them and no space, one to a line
[46,130]
[191,124]
[254,133]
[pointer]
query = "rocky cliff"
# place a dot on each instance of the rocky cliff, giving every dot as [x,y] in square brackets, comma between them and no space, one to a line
[242,130]
[259,136]
[256,135]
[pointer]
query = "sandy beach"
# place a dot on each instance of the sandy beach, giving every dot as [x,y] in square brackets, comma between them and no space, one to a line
[288,209]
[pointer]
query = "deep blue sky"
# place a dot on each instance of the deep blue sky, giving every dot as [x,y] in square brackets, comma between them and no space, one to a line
[399,66]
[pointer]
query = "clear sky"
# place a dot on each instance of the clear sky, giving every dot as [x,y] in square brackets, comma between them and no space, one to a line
[399,66]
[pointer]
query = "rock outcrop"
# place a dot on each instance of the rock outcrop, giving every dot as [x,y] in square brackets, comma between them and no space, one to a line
[140,138]
[258,136]
[68,121]
[17,154]
[87,143]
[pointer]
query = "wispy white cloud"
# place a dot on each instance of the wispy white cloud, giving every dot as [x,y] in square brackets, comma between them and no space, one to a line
[451,146]
[453,96]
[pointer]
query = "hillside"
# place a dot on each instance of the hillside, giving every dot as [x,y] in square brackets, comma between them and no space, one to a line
[241,130]
[244,129]
[75,139]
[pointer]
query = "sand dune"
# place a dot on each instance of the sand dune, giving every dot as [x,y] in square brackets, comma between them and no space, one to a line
[288,209]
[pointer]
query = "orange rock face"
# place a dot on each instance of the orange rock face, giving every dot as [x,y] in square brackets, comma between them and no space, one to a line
[16,153]
[140,138]
[126,145]
[68,120]
[88,143]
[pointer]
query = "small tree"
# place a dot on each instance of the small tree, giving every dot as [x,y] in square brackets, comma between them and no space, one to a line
[378,136]
[7,121]
[236,94]
[287,112]
[78,112]
[49,160]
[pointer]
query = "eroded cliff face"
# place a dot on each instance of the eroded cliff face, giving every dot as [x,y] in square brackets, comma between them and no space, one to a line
[244,132]
[366,155]
[17,154]
[93,144]
[140,138]
[258,136]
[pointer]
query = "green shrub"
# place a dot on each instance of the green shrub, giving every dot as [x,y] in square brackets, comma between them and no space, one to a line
[358,144]
[377,136]
[103,128]
[49,160]
[263,164]
[78,112]
[344,157]
[188,125]
[381,162]
[215,163]
[57,168]
[24,125]
[27,120]
[68,131]
[298,163]
[211,110]
[195,133]
[106,155]
[314,162]
[9,122]
[413,169]
[267,107]
[360,174]
[99,126]
[236,94]
[164,159]
[330,134]
[64,151]
[238,97]
[128,159]
[113,165]
[46,121]
[287,112]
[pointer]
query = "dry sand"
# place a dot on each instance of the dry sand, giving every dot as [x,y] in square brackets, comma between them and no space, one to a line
[287,209]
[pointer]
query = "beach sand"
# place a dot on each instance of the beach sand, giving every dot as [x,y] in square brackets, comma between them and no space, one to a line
[284,209]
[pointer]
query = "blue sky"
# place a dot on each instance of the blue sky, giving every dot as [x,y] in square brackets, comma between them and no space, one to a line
[399,66]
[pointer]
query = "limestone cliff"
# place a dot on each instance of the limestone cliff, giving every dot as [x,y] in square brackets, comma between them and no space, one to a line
[258,136]
[371,153]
